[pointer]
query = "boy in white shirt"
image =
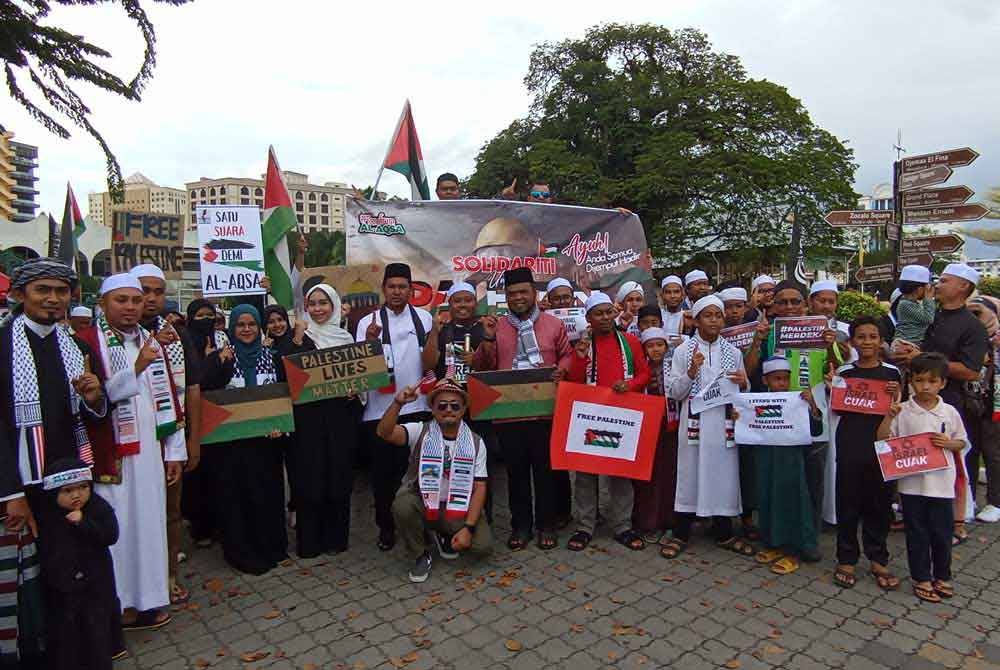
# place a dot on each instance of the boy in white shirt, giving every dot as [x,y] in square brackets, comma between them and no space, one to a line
[927,498]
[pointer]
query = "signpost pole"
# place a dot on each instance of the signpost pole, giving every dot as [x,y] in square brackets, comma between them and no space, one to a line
[897,205]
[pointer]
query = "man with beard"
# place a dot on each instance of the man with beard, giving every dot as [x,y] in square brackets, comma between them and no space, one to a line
[452,343]
[761,297]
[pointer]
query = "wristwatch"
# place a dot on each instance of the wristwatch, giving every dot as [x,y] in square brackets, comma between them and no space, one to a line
[471,528]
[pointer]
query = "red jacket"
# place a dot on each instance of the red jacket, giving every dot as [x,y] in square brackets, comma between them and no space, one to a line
[550,333]
[609,364]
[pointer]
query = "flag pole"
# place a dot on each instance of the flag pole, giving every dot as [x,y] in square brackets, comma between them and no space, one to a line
[377,180]
[392,141]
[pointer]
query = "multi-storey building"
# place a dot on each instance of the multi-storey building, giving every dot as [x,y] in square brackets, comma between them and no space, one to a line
[141,195]
[18,162]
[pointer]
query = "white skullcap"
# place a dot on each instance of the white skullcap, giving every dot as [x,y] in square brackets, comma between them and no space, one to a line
[962,271]
[707,301]
[597,298]
[671,279]
[695,275]
[823,285]
[733,293]
[147,270]
[556,283]
[917,273]
[122,280]
[653,334]
[459,287]
[629,287]
[776,364]
[80,310]
[761,279]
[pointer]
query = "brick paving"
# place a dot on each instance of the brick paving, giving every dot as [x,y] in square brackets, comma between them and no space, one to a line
[605,608]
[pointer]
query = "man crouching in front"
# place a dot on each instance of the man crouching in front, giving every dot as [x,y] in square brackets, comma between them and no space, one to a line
[444,489]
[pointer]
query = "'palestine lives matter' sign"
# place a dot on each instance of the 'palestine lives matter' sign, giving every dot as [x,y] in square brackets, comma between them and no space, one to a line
[230,249]
[336,372]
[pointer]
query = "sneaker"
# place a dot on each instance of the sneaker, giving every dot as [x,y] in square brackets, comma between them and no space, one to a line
[421,568]
[443,543]
[990,514]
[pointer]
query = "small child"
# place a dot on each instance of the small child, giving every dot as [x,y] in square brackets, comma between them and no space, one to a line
[82,611]
[927,498]
[915,309]
[649,317]
[862,494]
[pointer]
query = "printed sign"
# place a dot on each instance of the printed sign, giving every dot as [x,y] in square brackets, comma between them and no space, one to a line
[740,336]
[336,372]
[511,394]
[229,415]
[773,419]
[800,332]
[911,455]
[575,320]
[721,391]
[860,396]
[141,237]
[231,252]
[599,431]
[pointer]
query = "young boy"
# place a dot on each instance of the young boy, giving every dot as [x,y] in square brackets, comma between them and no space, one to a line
[784,504]
[734,299]
[862,495]
[649,317]
[927,498]
[76,527]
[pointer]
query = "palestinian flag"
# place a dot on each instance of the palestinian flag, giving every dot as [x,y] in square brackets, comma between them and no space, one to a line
[404,156]
[72,227]
[547,251]
[239,414]
[511,394]
[279,220]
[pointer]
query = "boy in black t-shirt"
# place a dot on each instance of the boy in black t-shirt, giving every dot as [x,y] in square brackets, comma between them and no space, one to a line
[862,494]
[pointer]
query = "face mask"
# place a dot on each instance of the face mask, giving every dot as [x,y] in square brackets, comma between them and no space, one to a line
[203,326]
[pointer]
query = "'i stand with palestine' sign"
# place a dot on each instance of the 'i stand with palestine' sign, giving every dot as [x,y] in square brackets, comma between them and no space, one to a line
[230,250]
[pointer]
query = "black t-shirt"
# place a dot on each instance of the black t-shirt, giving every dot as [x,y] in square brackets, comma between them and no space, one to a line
[856,432]
[961,338]
[454,334]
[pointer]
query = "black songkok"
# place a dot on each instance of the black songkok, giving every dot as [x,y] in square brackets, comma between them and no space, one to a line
[397,270]
[518,276]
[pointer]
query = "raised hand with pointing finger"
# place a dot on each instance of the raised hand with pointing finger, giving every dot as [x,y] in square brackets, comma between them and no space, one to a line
[509,192]
[150,352]
[697,360]
[88,386]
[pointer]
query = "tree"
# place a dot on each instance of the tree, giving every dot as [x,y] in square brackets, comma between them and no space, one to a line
[325,248]
[655,120]
[989,286]
[51,57]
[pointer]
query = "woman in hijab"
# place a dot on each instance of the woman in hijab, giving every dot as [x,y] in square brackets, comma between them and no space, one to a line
[322,454]
[251,487]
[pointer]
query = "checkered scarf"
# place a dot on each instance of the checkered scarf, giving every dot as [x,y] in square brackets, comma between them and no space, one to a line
[175,352]
[27,403]
[527,344]
[731,357]
[266,373]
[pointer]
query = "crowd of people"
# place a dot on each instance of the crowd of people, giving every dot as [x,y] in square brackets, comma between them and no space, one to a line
[101,461]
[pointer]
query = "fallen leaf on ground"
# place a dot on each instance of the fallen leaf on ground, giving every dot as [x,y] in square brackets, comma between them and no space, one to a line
[562,567]
[359,665]
[882,623]
[507,578]
[419,632]
[201,663]
[773,649]
[280,653]
[576,628]
[310,666]
[722,582]
[589,607]
[273,614]
[733,664]
[214,585]
[620,629]
[353,615]
[343,582]
[668,578]
[740,607]
[411,657]
[424,644]
[513,645]
[222,652]
[616,600]
[252,656]
[528,589]
[774,634]
[612,655]
[571,586]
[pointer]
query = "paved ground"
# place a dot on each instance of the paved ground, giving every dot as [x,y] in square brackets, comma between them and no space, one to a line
[606,608]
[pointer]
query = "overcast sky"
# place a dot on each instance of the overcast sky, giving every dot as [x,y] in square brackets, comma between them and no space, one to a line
[324,82]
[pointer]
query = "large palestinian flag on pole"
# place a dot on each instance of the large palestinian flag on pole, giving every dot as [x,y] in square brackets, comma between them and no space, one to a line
[238,414]
[72,227]
[511,394]
[404,156]
[279,220]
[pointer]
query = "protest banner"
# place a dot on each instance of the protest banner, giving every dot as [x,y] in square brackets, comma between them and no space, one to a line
[511,394]
[336,372]
[238,414]
[800,332]
[477,240]
[599,431]
[910,455]
[721,391]
[772,419]
[142,237]
[740,336]
[230,249]
[861,396]
[575,320]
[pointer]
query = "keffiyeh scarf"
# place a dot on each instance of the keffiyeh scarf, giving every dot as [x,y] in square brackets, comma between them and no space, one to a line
[178,367]
[435,462]
[27,403]
[731,358]
[528,354]
[628,365]
[266,373]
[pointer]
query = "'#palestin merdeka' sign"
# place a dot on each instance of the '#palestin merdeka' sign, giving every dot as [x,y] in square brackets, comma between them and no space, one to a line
[230,250]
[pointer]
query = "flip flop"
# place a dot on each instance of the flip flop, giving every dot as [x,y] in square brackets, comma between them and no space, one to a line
[768,555]
[737,546]
[517,542]
[147,621]
[547,541]
[844,579]
[579,540]
[885,580]
[785,566]
[943,589]
[673,549]
[926,594]
[653,536]
[630,539]
[178,594]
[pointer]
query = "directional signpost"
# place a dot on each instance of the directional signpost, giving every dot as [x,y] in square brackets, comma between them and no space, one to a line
[920,215]
[951,158]
[937,197]
[924,178]
[883,272]
[915,259]
[935,244]
[859,218]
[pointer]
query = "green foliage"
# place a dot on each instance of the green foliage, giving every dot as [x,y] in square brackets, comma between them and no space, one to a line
[326,248]
[852,304]
[989,286]
[657,121]
[51,56]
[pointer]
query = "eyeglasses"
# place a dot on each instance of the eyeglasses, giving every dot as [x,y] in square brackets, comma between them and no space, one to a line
[541,194]
[791,302]
[444,405]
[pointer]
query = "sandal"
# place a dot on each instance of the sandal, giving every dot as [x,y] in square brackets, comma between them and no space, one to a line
[119,655]
[579,540]
[943,589]
[885,579]
[630,539]
[926,594]
[751,532]
[843,578]
[148,620]
[178,594]
[652,536]
[737,546]
[673,549]
[547,541]
[785,566]
[768,555]
[517,542]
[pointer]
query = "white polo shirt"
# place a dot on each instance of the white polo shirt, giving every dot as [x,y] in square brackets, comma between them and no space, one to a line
[943,418]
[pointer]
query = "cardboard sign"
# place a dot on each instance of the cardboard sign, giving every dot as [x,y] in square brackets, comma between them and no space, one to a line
[512,394]
[230,249]
[740,336]
[773,419]
[599,431]
[861,396]
[229,415]
[141,237]
[336,372]
[800,332]
[575,320]
[910,455]
[721,391]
